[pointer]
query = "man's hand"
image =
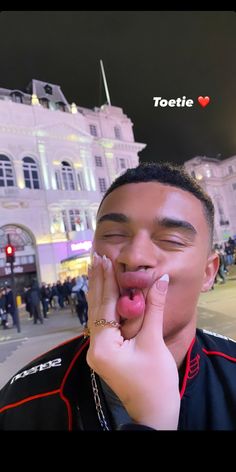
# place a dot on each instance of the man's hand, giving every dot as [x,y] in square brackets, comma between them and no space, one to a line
[141,371]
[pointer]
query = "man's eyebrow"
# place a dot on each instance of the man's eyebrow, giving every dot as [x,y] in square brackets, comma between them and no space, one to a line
[175,223]
[117,217]
[163,222]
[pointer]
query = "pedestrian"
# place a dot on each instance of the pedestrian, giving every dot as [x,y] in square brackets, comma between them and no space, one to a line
[10,304]
[34,300]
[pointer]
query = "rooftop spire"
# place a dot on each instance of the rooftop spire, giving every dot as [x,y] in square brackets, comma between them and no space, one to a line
[105,83]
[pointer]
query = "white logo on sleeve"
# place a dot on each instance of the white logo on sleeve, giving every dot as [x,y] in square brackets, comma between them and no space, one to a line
[37,368]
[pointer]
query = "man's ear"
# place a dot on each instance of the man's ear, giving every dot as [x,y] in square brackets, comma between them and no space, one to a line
[210,272]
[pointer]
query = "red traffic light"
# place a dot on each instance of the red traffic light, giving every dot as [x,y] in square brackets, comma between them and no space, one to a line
[9,250]
[10,253]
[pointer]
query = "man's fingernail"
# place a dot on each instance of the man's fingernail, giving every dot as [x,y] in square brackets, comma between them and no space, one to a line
[162,283]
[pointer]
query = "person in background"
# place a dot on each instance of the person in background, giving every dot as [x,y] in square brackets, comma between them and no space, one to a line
[26,299]
[10,304]
[44,296]
[221,269]
[84,288]
[78,293]
[34,299]
[3,311]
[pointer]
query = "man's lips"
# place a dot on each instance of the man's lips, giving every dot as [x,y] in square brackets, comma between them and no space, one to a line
[138,279]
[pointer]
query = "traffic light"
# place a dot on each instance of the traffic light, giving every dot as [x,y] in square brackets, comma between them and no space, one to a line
[10,253]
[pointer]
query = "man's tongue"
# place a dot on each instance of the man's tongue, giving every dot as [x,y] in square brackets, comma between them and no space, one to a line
[131,304]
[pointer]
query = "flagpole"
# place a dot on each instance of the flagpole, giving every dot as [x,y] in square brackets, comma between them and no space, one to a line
[105,83]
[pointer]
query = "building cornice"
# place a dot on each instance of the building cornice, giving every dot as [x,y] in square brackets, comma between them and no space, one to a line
[107,143]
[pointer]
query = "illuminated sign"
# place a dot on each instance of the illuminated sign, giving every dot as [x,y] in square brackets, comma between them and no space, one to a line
[81,246]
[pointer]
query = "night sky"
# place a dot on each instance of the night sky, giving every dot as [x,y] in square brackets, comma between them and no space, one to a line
[169,54]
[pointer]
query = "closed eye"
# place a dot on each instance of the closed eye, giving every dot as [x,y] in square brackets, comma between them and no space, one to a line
[113,235]
[171,242]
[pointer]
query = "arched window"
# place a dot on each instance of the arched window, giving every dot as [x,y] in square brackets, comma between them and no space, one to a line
[16,96]
[31,174]
[61,106]
[67,176]
[44,102]
[6,172]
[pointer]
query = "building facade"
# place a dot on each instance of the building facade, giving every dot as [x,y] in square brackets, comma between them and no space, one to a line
[218,179]
[56,162]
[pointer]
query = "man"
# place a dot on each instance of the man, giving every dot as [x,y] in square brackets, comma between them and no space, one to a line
[144,365]
[35,302]
[79,290]
[10,304]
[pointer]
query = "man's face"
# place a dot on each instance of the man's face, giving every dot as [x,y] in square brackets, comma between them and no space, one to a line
[160,229]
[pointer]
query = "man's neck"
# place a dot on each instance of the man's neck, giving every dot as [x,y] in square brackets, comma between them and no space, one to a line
[179,343]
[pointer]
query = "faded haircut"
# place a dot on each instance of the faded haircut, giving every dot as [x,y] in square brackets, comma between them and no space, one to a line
[168,174]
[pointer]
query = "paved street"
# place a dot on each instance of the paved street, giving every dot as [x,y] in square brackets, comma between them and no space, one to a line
[60,323]
[16,349]
[217,312]
[217,309]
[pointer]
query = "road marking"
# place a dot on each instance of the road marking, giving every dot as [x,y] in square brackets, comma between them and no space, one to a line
[8,340]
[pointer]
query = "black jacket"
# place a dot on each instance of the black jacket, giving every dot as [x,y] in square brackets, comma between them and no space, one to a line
[54,392]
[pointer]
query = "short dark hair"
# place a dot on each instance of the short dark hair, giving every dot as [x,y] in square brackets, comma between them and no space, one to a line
[169,174]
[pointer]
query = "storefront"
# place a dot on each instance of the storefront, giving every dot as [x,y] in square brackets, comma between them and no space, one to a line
[77,264]
[23,276]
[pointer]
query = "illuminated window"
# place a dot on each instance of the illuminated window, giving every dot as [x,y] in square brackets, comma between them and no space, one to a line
[6,172]
[67,176]
[87,219]
[198,176]
[65,220]
[75,220]
[31,174]
[102,185]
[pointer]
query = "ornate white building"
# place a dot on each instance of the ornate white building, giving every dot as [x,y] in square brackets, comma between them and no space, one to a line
[56,161]
[218,178]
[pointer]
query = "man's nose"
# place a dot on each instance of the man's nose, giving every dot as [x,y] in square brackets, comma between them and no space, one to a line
[139,252]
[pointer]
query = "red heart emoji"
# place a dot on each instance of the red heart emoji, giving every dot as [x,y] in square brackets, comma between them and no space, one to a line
[203,101]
